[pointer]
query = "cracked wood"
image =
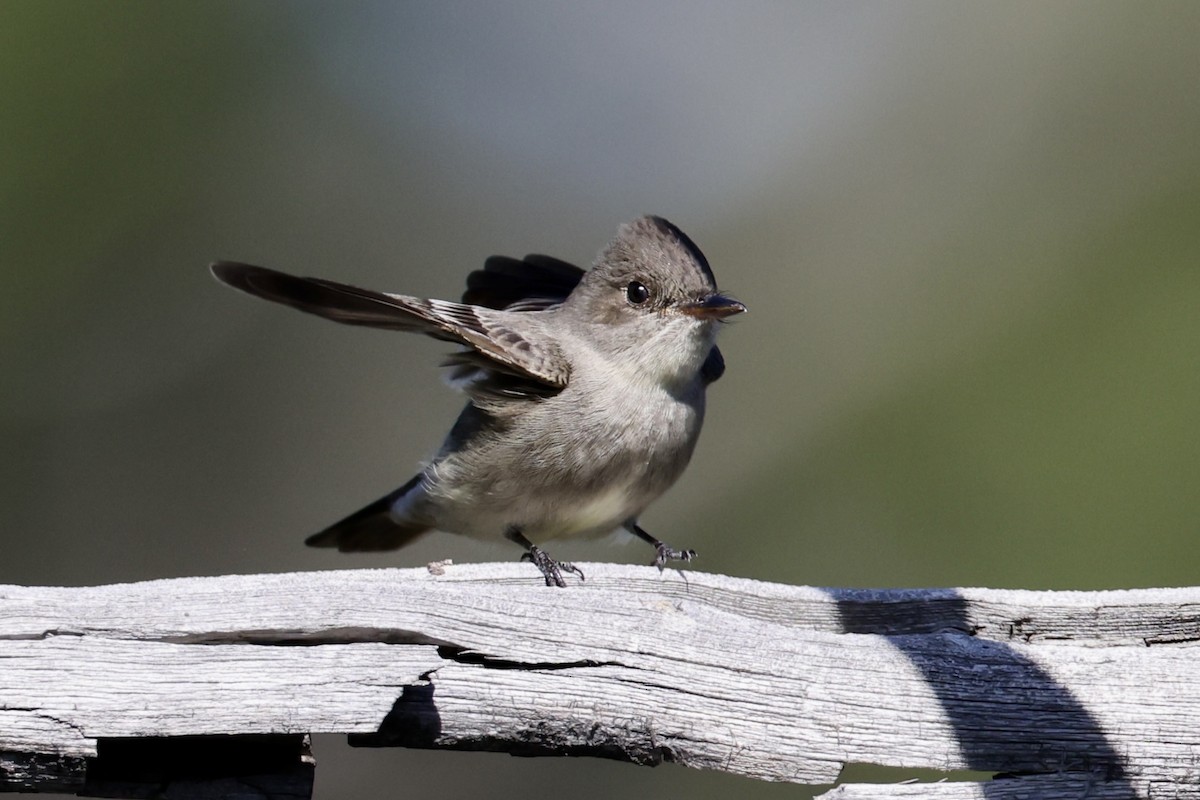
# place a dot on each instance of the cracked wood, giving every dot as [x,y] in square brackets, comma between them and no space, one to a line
[770,681]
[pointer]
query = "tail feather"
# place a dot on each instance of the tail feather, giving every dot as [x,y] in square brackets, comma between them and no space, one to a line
[373,528]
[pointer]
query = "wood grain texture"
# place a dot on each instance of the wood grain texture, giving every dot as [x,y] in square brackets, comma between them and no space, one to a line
[1082,693]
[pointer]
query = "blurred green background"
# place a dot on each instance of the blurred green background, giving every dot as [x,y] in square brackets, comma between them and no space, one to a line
[968,235]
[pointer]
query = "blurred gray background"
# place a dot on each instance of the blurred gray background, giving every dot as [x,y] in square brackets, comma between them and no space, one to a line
[967,234]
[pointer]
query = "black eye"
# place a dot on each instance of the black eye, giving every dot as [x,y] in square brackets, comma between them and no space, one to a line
[637,292]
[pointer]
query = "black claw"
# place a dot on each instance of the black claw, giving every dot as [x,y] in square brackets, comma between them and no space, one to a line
[664,553]
[551,570]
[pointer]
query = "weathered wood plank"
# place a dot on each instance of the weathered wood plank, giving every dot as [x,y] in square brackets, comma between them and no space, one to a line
[775,682]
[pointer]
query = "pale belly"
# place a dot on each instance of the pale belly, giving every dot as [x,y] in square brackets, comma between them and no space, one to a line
[563,474]
[541,517]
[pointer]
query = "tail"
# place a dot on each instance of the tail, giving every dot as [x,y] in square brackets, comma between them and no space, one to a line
[372,528]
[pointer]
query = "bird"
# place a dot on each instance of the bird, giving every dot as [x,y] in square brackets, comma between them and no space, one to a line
[585,391]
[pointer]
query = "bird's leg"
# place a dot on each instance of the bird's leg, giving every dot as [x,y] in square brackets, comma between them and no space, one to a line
[551,570]
[662,552]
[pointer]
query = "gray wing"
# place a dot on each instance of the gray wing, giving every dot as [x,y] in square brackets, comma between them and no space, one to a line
[516,363]
[533,283]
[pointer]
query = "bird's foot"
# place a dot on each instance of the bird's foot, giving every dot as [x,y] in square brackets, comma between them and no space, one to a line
[664,553]
[551,570]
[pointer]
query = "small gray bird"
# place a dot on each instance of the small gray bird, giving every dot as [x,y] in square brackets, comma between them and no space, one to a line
[586,391]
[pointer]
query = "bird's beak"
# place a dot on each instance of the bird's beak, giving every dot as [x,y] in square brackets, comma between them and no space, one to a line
[718,306]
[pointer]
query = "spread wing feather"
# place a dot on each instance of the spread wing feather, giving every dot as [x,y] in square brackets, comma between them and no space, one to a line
[497,338]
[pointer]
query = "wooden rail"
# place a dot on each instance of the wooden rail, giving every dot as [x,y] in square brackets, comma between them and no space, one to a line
[216,682]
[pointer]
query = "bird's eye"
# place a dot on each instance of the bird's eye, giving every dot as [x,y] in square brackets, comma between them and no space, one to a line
[637,292]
